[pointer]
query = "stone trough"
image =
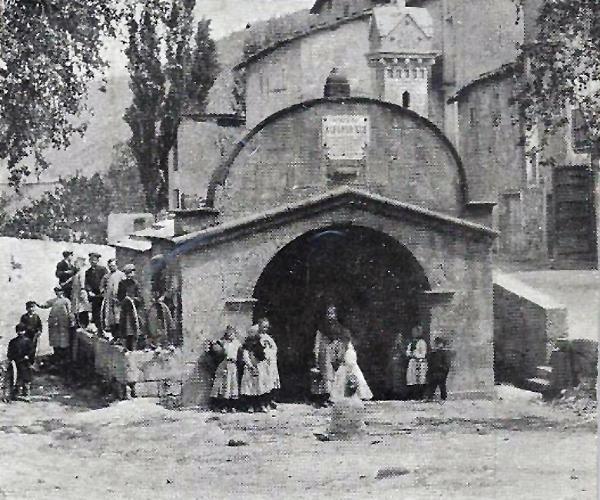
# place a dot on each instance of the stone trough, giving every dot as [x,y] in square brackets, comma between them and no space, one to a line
[147,373]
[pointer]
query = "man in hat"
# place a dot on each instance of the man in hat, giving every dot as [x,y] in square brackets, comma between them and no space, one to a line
[130,298]
[93,285]
[65,270]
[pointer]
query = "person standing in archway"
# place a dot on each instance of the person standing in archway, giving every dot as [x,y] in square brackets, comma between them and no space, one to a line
[328,352]
[269,370]
[416,373]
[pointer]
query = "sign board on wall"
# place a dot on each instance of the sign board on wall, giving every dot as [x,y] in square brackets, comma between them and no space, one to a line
[345,137]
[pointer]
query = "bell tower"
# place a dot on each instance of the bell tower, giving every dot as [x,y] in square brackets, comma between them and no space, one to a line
[401,55]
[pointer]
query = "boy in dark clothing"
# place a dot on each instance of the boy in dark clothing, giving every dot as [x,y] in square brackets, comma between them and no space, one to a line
[438,368]
[19,355]
[33,325]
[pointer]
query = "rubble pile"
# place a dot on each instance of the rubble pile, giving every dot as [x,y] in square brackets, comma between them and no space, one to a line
[582,399]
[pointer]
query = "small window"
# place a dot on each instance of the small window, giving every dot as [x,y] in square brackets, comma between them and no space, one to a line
[390,73]
[346,10]
[579,132]
[406,99]
[398,73]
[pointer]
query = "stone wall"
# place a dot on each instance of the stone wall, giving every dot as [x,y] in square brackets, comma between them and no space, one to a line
[526,322]
[297,71]
[27,271]
[286,161]
[145,373]
[218,284]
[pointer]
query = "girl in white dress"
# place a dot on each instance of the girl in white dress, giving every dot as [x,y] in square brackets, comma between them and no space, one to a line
[349,367]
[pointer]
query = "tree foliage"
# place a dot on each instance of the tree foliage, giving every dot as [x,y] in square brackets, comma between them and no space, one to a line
[560,64]
[164,69]
[50,51]
[77,210]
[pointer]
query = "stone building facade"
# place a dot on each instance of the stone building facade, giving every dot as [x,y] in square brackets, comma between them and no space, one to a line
[365,157]
[448,65]
[366,206]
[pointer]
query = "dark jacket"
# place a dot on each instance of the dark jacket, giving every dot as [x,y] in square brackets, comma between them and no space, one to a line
[33,323]
[93,279]
[19,348]
[438,363]
[64,272]
[129,288]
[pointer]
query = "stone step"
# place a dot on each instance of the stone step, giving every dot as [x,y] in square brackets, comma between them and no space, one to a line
[537,384]
[543,372]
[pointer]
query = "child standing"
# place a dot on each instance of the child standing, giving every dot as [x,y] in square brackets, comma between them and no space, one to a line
[225,390]
[439,366]
[33,326]
[19,355]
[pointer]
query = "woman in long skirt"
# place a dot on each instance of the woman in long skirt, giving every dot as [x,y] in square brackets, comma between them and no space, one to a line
[225,390]
[416,373]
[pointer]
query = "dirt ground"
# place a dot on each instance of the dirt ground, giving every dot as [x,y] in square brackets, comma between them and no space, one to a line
[67,444]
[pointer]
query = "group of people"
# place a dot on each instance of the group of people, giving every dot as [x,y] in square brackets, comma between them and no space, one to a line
[110,296]
[107,298]
[422,370]
[247,376]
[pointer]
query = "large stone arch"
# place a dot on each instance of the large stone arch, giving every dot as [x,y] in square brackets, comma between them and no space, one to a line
[375,282]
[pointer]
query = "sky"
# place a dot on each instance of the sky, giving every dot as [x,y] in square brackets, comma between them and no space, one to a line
[226,17]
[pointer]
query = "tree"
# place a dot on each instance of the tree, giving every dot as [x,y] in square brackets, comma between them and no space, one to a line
[560,65]
[76,211]
[50,51]
[164,70]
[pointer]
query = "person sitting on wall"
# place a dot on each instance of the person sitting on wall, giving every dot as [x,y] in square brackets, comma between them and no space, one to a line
[416,373]
[20,357]
[111,308]
[252,387]
[65,270]
[270,372]
[328,356]
[438,368]
[33,326]
[60,321]
[225,390]
[79,295]
[130,299]
[93,285]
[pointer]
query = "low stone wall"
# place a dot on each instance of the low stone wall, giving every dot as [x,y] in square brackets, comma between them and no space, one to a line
[152,373]
[526,324]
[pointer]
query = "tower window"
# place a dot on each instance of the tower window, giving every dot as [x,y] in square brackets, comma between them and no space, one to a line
[406,99]
[390,73]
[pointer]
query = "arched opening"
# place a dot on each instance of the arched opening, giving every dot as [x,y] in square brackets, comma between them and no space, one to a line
[374,281]
[406,99]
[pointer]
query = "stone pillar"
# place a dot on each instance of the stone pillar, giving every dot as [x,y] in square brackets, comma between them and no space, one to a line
[439,304]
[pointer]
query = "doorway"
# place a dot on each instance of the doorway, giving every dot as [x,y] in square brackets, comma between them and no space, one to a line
[376,284]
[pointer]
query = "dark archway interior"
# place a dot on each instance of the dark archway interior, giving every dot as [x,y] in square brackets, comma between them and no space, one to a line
[374,281]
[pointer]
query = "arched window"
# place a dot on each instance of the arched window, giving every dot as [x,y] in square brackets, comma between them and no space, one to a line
[406,99]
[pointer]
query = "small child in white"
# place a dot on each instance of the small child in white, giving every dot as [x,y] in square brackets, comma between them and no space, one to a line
[349,368]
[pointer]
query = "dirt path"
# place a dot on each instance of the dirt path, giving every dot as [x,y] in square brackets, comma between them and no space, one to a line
[69,447]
